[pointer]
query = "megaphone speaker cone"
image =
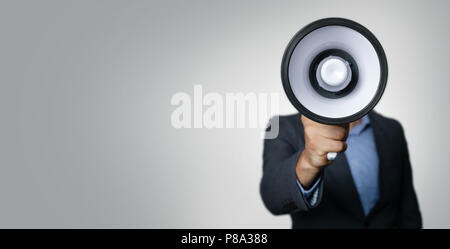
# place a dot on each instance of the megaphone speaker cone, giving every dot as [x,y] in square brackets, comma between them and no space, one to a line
[334,71]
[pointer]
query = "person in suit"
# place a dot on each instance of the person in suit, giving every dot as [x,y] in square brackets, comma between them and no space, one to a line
[368,185]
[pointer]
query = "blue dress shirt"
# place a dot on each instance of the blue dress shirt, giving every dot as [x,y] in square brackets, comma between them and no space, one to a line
[363,161]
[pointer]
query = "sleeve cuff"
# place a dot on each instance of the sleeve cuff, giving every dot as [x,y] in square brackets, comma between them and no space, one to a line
[308,193]
[300,200]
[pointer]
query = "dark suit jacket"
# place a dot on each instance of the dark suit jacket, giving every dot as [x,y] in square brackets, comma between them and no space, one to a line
[339,205]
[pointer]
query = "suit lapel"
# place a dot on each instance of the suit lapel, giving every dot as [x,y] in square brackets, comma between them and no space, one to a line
[381,142]
[340,182]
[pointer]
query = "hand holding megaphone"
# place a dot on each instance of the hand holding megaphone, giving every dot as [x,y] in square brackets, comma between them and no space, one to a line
[320,141]
[334,71]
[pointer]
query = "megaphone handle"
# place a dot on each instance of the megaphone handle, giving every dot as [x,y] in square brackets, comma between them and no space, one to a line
[331,155]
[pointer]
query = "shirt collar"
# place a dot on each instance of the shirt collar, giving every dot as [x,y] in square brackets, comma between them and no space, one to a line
[357,130]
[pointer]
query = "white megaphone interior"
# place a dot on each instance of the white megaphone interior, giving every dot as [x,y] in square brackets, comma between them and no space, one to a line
[352,42]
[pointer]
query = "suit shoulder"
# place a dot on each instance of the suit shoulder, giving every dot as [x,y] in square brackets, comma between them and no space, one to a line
[389,123]
[292,121]
[289,125]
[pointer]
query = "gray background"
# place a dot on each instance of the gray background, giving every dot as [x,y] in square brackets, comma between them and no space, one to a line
[85,89]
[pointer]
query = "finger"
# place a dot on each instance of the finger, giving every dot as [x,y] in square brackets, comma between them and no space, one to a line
[322,146]
[305,120]
[347,130]
[334,132]
[319,160]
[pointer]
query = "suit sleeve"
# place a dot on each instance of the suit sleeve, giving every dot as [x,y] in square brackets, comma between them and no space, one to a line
[410,216]
[279,190]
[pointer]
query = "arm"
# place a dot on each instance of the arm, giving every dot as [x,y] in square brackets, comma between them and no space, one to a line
[311,194]
[279,189]
[291,162]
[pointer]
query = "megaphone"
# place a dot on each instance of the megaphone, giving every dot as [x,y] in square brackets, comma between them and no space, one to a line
[334,71]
